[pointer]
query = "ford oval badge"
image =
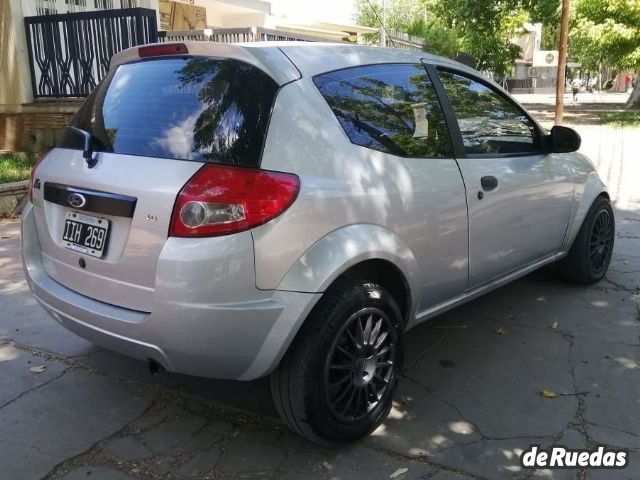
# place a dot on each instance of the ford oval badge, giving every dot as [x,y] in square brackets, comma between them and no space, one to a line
[76,200]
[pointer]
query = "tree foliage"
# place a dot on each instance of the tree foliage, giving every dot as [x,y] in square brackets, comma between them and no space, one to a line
[400,14]
[486,29]
[440,40]
[482,28]
[601,31]
[605,31]
[546,12]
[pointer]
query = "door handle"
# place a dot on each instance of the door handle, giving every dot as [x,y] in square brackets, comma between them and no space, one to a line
[489,183]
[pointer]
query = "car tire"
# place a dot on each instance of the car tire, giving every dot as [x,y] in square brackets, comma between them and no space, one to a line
[589,257]
[336,382]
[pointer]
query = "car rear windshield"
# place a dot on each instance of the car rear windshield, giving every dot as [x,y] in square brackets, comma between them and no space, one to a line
[190,108]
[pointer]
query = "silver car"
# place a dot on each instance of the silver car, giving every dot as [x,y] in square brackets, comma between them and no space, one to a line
[237,211]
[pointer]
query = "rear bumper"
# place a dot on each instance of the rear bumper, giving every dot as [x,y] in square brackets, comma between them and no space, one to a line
[189,330]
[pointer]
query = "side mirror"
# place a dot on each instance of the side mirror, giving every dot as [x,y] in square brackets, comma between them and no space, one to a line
[563,140]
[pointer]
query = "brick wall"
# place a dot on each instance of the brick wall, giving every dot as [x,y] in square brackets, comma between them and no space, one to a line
[37,126]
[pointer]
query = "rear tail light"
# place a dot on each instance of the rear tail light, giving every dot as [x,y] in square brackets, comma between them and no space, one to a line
[32,178]
[219,200]
[162,50]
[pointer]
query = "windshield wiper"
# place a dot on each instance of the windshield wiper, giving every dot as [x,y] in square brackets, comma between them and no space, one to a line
[87,151]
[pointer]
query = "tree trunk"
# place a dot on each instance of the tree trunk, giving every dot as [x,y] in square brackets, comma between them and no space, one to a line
[634,99]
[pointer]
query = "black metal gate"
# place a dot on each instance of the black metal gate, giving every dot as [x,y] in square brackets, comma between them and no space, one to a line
[69,53]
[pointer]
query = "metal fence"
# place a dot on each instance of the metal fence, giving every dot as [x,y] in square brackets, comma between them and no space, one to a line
[235,35]
[404,41]
[69,53]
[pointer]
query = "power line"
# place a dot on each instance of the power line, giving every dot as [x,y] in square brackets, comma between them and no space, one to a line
[381,24]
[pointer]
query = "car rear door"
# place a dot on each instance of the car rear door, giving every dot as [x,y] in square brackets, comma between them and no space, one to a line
[519,199]
[153,123]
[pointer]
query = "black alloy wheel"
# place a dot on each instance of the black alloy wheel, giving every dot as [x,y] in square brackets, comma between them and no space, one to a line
[590,255]
[359,367]
[336,382]
[601,241]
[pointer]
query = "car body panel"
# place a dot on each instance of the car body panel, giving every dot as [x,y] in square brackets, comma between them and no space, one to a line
[397,204]
[523,220]
[483,289]
[314,59]
[126,275]
[213,328]
[269,60]
[587,187]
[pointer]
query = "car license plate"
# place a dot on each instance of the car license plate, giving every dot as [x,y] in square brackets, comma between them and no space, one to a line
[85,234]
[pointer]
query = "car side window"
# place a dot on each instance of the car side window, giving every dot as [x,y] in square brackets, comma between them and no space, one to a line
[392,108]
[489,122]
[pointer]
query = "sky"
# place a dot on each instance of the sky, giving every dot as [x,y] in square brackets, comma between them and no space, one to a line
[336,11]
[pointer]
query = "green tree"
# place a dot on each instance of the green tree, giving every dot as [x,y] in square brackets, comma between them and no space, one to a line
[607,32]
[482,28]
[439,39]
[546,12]
[486,29]
[399,13]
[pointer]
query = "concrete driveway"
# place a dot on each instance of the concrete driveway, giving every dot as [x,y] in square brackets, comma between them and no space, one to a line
[468,405]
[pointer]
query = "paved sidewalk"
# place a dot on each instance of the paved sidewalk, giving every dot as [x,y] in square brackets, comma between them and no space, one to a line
[584,97]
[468,405]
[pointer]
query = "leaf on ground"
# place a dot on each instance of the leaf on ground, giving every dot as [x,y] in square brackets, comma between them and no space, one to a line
[38,369]
[501,331]
[544,393]
[553,326]
[398,472]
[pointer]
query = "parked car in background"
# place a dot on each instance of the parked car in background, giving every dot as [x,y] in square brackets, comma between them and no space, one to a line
[237,211]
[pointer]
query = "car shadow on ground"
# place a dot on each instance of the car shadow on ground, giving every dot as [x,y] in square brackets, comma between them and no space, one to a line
[424,345]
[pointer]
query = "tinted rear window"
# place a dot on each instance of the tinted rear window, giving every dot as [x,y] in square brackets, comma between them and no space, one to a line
[191,108]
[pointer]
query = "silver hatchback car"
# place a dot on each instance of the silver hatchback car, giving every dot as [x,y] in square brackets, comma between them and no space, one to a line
[288,209]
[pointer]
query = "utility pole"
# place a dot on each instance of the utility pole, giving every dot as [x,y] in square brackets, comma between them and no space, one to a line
[383,28]
[562,62]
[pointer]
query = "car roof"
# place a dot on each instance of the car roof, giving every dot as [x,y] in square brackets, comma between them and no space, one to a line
[288,61]
[313,58]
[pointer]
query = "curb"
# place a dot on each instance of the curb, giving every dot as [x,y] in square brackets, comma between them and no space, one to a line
[12,196]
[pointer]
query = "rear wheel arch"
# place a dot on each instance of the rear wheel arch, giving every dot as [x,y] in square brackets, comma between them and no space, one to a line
[353,248]
[377,271]
[386,274]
